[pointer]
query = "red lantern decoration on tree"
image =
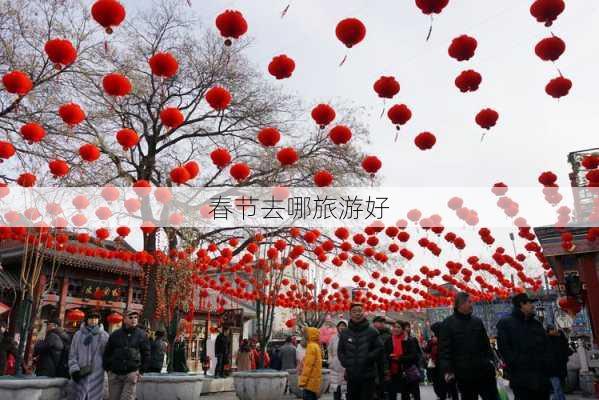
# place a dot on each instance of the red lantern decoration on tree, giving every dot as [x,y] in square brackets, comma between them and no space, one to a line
[61,52]
[75,315]
[127,138]
[468,81]
[371,164]
[350,31]
[287,156]
[179,175]
[193,168]
[17,82]
[486,119]
[7,150]
[386,87]
[218,98]
[26,179]
[123,231]
[163,65]
[117,85]
[58,168]
[240,171]
[399,114]
[547,11]
[108,13]
[425,140]
[281,67]
[102,233]
[547,178]
[269,137]
[340,134]
[550,49]
[323,178]
[462,48]
[171,117]
[231,25]
[220,157]
[71,114]
[33,132]
[89,152]
[430,7]
[323,114]
[558,87]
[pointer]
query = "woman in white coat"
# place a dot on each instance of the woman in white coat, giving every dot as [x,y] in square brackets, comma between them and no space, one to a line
[85,359]
[337,371]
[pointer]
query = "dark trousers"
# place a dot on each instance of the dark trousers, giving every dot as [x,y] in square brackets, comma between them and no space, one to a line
[527,394]
[337,393]
[219,371]
[485,388]
[410,391]
[360,389]
[308,395]
[442,389]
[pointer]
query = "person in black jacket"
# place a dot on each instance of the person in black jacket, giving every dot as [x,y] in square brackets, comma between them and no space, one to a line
[52,352]
[180,354]
[360,350]
[402,354]
[126,358]
[524,347]
[380,324]
[560,352]
[465,353]
[221,351]
[158,348]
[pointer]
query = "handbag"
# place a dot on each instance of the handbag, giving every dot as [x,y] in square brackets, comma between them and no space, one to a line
[412,374]
[85,371]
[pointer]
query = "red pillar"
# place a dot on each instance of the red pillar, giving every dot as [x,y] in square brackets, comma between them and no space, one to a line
[64,291]
[588,274]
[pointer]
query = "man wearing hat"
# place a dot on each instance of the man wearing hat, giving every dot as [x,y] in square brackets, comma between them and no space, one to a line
[52,351]
[524,347]
[126,357]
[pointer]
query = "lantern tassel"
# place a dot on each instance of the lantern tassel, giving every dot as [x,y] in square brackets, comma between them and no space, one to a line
[482,137]
[430,29]
[285,10]
[383,111]
[396,133]
[343,60]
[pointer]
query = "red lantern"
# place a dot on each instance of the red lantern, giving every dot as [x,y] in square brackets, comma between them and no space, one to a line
[132,205]
[171,117]
[550,49]
[26,179]
[58,168]
[323,114]
[61,52]
[33,132]
[75,315]
[425,140]
[547,178]
[462,48]
[323,178]
[117,85]
[193,168]
[386,87]
[220,157]
[429,7]
[399,114]
[71,114]
[17,82]
[269,137]
[240,171]
[80,202]
[287,156]
[340,134]
[123,231]
[281,67]
[468,81]
[487,118]
[179,175]
[127,138]
[102,233]
[231,24]
[89,152]
[547,11]
[114,318]
[371,164]
[350,31]
[7,150]
[558,87]
[163,65]
[218,98]
[108,13]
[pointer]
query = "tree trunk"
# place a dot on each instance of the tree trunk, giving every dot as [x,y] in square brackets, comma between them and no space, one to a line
[23,320]
[150,295]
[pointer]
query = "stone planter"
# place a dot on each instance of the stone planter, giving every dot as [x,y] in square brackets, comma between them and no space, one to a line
[33,388]
[263,385]
[295,389]
[170,386]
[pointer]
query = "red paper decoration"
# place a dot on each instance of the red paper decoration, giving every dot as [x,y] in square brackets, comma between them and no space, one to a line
[462,48]
[340,134]
[371,164]
[164,65]
[32,132]
[127,138]
[547,178]
[179,175]
[429,7]
[399,114]
[231,24]
[108,13]
[558,87]
[142,187]
[117,85]
[550,49]
[114,318]
[386,87]
[425,140]
[350,31]
[123,231]
[487,118]
[220,157]
[218,98]
[171,117]
[287,156]
[281,67]
[323,114]
[26,179]
[547,11]
[269,137]
[17,82]
[58,168]
[71,114]
[76,314]
[323,178]
[240,171]
[89,152]
[7,150]
[468,81]
[193,168]
[61,52]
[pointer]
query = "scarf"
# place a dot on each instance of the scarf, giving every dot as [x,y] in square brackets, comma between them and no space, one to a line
[397,352]
[90,332]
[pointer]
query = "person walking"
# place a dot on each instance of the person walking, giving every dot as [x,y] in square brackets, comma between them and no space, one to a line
[288,355]
[85,359]
[380,324]
[52,352]
[180,354]
[442,389]
[360,350]
[275,357]
[126,358]
[465,353]
[337,374]
[221,350]
[244,357]
[524,347]
[560,352]
[311,376]
[158,348]
[413,388]
[404,373]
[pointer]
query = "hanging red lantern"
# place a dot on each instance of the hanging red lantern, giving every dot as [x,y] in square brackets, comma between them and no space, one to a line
[386,87]
[558,87]
[323,178]
[281,67]
[26,179]
[164,65]
[127,138]
[231,25]
[323,114]
[287,156]
[108,13]
[487,118]
[58,168]
[547,178]
[425,140]
[399,114]
[61,52]
[462,48]
[550,49]
[114,318]
[218,98]
[371,164]
[350,31]
[110,193]
[468,81]
[89,152]
[547,11]
[102,233]
[590,162]
[71,114]
[340,134]
[17,82]
[269,137]
[80,202]
[123,231]
[179,175]
[33,132]
[75,315]
[117,85]
[429,7]
[171,117]
[7,150]
[240,171]
[220,157]
[193,168]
